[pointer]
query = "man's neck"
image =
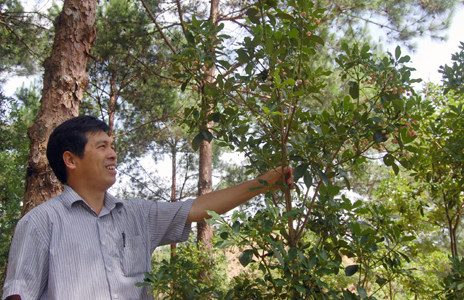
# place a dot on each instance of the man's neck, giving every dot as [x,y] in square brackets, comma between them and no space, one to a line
[94,199]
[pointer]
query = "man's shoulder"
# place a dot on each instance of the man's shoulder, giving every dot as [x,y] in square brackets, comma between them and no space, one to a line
[44,210]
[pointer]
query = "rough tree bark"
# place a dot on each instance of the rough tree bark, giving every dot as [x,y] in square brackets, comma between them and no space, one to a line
[65,80]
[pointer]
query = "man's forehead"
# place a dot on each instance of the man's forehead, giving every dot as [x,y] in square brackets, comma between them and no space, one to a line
[99,136]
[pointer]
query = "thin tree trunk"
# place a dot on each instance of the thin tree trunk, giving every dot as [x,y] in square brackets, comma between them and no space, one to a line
[112,107]
[173,185]
[451,231]
[204,231]
[65,80]
[205,182]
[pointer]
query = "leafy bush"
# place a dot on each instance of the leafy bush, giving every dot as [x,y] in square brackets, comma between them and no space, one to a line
[180,277]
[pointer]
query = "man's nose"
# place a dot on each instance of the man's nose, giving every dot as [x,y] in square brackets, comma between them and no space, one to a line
[113,154]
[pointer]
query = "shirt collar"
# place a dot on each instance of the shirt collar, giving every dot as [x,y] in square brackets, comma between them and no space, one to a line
[69,197]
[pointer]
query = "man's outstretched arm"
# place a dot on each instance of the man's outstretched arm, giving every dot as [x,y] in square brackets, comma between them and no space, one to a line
[224,200]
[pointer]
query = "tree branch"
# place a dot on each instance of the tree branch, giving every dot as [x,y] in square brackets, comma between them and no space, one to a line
[153,18]
[140,126]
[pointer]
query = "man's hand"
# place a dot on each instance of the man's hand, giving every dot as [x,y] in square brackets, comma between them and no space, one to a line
[277,178]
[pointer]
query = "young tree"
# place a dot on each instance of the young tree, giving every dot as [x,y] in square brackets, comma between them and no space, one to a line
[202,52]
[273,126]
[438,163]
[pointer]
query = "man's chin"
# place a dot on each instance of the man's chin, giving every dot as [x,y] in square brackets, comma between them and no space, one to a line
[110,183]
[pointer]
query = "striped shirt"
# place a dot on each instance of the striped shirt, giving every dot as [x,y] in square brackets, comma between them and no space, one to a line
[63,250]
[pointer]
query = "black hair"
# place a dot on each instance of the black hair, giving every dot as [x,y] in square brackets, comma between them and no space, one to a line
[72,136]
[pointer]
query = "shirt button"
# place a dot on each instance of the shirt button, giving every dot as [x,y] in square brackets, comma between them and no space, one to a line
[103,243]
[109,269]
[115,296]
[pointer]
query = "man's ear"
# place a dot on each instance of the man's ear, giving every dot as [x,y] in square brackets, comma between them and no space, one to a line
[69,160]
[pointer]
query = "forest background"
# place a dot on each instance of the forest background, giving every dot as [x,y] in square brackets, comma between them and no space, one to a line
[377,209]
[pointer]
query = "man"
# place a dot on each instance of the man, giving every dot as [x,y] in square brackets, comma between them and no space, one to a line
[85,243]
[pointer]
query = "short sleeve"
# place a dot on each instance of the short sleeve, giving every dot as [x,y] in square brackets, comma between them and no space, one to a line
[167,222]
[27,269]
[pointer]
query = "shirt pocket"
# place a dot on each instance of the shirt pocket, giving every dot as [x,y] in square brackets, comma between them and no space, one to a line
[134,260]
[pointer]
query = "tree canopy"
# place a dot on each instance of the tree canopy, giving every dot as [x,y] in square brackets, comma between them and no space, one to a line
[377,164]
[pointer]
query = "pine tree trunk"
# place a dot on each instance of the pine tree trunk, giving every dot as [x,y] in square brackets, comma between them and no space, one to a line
[65,81]
[205,183]
[173,185]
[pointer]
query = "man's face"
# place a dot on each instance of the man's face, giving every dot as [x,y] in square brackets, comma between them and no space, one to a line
[97,168]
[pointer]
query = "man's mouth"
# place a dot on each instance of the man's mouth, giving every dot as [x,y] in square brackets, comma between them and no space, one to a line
[111,167]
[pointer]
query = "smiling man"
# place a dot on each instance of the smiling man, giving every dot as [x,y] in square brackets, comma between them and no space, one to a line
[87,244]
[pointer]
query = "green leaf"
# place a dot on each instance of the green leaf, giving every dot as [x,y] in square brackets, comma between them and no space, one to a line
[215,216]
[292,213]
[246,257]
[289,82]
[236,227]
[196,142]
[210,90]
[396,169]
[376,119]
[311,262]
[293,34]
[324,177]
[207,135]
[300,289]
[408,238]
[308,179]
[280,282]
[333,190]
[316,39]
[263,182]
[255,189]
[270,45]
[397,52]
[379,137]
[190,38]
[346,48]
[354,89]
[351,270]
[279,257]
[362,292]
[229,111]
[292,253]
[388,160]
[251,13]
[265,88]
[224,63]
[380,281]
[184,85]
[404,59]
[284,16]
[325,271]
[299,172]
[365,49]
[216,117]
